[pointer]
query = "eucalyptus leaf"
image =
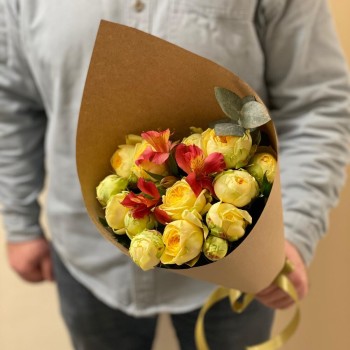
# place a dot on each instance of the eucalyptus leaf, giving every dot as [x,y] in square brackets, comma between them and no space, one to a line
[254,114]
[229,129]
[212,124]
[229,102]
[247,99]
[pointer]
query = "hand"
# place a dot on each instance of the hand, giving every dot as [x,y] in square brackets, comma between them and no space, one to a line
[276,298]
[31,259]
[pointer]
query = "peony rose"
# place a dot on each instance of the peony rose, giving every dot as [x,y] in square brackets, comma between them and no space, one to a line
[115,212]
[226,221]
[122,160]
[237,187]
[215,248]
[134,226]
[146,249]
[179,197]
[109,186]
[183,242]
[262,164]
[235,149]
[194,139]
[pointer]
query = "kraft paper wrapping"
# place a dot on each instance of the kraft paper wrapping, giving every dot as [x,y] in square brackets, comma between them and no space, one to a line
[137,82]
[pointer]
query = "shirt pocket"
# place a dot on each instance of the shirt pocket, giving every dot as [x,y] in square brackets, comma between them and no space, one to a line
[3,34]
[199,22]
[240,10]
[221,30]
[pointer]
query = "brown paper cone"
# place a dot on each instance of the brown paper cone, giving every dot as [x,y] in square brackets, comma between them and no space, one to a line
[137,82]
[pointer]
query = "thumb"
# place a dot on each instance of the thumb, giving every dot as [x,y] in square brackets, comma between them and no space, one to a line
[46,268]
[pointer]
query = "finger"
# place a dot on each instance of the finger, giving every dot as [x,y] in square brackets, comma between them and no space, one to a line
[31,275]
[278,303]
[268,291]
[46,269]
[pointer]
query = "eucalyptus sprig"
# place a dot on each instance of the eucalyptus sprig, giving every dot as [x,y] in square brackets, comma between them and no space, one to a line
[244,113]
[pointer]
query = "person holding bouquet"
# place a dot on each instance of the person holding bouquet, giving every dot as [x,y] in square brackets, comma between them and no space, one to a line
[286,50]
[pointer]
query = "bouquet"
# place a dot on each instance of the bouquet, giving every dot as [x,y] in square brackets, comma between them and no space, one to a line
[204,203]
[190,202]
[199,202]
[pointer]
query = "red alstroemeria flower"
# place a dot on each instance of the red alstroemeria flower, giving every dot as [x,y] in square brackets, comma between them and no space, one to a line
[160,148]
[161,216]
[193,162]
[142,204]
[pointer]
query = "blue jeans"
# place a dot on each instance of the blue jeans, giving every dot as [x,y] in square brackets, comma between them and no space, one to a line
[95,326]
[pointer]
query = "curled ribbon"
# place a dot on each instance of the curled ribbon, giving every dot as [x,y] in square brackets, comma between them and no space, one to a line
[240,301]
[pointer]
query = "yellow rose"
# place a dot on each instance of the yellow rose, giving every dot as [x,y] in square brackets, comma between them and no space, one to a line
[262,164]
[140,170]
[180,197]
[226,221]
[115,213]
[235,149]
[109,186]
[146,249]
[122,160]
[194,139]
[237,187]
[134,226]
[183,242]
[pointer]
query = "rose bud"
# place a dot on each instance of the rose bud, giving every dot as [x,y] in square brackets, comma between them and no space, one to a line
[215,248]
[115,213]
[168,181]
[146,249]
[262,164]
[134,226]
[109,186]
[235,149]
[226,221]
[237,187]
[183,242]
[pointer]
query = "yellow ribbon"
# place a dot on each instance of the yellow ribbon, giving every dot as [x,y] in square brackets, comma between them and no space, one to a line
[239,302]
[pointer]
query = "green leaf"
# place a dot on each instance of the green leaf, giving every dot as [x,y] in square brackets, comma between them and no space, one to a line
[155,176]
[171,163]
[229,129]
[254,114]
[265,187]
[256,136]
[229,102]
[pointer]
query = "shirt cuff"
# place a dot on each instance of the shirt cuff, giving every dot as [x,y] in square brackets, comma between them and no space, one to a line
[303,234]
[21,228]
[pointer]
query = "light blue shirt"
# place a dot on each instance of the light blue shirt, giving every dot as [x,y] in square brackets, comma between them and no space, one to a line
[286,50]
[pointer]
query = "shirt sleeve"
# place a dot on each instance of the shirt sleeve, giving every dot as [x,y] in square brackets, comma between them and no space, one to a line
[22,128]
[308,87]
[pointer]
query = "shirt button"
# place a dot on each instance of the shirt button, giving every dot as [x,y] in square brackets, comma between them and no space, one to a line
[139,6]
